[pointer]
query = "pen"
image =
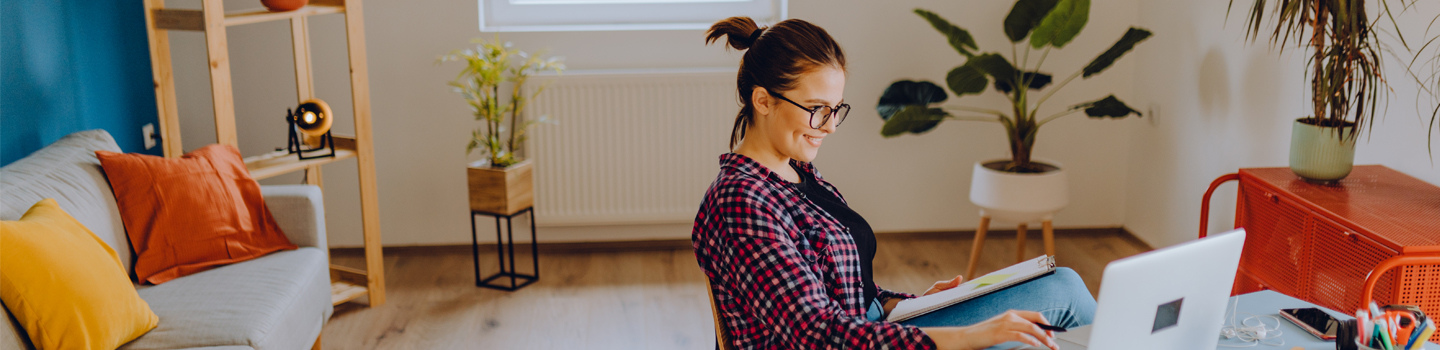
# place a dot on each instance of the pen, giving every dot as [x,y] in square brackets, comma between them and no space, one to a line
[1362,319]
[1049,327]
[1414,335]
[1425,335]
[1385,334]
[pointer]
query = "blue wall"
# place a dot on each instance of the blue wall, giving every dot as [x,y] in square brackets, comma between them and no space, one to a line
[73,65]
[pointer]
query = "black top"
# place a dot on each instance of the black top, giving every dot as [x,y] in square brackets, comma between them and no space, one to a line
[859,229]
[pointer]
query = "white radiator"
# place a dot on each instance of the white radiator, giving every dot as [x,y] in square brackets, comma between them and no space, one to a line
[629,147]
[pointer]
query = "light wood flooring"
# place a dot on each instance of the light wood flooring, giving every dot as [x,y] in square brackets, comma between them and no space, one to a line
[651,299]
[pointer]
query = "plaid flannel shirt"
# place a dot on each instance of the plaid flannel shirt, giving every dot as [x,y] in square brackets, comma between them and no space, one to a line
[784,273]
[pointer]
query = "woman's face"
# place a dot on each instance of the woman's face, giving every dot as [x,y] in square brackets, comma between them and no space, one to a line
[787,127]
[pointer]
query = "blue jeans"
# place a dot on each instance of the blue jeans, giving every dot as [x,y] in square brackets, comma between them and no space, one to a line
[1061,297]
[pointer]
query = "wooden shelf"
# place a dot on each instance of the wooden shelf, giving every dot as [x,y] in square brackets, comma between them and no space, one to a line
[280,162]
[346,284]
[212,20]
[179,19]
[263,15]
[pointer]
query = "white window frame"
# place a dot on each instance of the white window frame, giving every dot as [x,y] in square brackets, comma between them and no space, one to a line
[574,15]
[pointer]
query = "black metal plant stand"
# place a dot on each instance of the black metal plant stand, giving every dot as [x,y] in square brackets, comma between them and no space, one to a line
[505,248]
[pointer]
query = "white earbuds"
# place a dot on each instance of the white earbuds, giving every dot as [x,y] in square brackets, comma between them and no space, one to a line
[1251,334]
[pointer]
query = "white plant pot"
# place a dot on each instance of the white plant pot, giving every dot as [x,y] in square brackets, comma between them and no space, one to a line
[1019,198]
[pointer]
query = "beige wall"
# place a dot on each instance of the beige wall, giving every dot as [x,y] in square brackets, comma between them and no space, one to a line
[1222,104]
[902,184]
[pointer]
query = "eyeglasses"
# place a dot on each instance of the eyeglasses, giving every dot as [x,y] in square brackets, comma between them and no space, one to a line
[824,111]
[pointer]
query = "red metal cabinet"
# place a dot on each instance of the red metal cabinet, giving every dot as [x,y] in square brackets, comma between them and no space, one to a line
[1318,243]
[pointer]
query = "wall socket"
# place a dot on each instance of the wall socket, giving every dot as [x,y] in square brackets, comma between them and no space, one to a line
[147,133]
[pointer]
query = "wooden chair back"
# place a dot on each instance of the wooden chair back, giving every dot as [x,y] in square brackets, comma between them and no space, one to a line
[722,338]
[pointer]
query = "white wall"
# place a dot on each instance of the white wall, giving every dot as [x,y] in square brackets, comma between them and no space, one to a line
[1222,104]
[902,184]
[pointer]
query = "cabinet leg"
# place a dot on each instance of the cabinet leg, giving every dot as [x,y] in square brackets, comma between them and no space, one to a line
[1048,229]
[977,246]
[1020,242]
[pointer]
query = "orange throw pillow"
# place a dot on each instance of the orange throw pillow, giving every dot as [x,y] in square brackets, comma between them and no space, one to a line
[189,214]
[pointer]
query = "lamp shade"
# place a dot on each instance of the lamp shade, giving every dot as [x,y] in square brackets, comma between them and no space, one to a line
[314,118]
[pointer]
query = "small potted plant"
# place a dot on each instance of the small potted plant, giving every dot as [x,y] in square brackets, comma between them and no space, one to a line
[1346,80]
[501,182]
[1019,188]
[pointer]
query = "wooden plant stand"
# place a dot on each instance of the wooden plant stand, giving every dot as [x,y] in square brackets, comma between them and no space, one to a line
[977,245]
[346,284]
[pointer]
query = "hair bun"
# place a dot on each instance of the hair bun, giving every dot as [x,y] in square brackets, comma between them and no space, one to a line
[754,36]
[740,32]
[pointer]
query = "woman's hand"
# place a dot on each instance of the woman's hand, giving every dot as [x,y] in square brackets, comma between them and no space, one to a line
[944,285]
[1013,325]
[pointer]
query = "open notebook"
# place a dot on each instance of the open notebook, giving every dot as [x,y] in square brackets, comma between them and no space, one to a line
[1025,271]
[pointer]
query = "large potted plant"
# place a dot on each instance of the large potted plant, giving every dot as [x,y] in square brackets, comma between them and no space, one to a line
[1019,188]
[502,181]
[1346,82]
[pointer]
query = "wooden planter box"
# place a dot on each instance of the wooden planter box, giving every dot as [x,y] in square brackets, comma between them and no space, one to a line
[503,191]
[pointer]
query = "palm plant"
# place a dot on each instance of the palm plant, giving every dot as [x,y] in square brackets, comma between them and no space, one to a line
[1346,82]
[489,66]
[913,107]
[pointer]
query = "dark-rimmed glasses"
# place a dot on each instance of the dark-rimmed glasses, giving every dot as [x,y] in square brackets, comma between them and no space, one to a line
[825,111]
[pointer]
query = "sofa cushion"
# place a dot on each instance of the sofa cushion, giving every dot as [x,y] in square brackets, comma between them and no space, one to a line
[279,301]
[68,171]
[67,287]
[189,214]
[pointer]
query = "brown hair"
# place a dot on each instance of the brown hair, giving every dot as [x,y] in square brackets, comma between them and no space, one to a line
[776,58]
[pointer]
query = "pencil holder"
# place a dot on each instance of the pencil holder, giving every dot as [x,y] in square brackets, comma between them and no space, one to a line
[1359,346]
[1346,338]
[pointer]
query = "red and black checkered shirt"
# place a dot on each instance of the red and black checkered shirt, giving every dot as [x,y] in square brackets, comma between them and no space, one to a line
[784,273]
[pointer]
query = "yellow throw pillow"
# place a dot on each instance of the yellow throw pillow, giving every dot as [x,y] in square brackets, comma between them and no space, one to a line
[66,286]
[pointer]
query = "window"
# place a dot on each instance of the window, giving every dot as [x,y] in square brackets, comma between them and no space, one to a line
[598,15]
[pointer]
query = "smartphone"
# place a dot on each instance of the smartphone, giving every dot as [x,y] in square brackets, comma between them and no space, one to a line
[1314,321]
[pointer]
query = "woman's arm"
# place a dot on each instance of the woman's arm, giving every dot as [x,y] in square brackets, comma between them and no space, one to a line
[891,298]
[1011,326]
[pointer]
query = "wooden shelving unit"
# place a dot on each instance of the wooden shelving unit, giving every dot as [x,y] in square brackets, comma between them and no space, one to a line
[346,284]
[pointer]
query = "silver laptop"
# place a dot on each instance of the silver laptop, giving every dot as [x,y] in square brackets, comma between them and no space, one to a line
[1171,298]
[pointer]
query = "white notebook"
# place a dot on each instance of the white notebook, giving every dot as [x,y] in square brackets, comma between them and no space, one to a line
[975,287]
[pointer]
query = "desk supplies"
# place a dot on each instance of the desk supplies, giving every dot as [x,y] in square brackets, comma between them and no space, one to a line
[974,288]
[1393,327]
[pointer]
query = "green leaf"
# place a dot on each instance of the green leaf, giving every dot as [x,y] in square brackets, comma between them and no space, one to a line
[1127,42]
[960,39]
[905,93]
[1107,107]
[1062,24]
[1025,16]
[994,65]
[997,67]
[1037,81]
[915,119]
[966,79]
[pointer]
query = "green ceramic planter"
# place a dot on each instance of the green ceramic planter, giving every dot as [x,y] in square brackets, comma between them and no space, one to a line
[1321,154]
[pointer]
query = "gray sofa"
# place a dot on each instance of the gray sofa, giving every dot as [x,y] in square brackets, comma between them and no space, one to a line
[278,301]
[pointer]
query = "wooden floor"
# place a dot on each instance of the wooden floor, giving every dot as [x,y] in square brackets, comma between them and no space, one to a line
[652,299]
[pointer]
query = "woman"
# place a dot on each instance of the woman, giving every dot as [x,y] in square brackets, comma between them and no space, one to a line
[789,263]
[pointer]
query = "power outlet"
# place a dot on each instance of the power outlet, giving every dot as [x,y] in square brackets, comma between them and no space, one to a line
[147,133]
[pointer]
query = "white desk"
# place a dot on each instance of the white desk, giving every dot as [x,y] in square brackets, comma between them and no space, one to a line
[1270,303]
[1263,303]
